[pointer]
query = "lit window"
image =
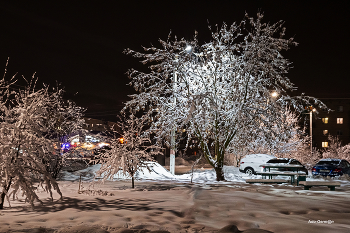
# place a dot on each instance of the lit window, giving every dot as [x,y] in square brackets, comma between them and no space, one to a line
[324,144]
[325,131]
[339,120]
[340,108]
[325,120]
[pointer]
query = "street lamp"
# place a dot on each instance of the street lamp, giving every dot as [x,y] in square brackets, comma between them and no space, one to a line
[310,109]
[274,94]
[188,49]
[172,139]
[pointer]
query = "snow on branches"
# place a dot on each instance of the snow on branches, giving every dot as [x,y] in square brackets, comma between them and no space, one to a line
[220,91]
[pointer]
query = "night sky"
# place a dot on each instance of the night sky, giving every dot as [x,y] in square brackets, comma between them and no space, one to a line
[80,45]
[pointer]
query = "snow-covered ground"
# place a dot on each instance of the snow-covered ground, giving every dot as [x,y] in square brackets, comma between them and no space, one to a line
[170,203]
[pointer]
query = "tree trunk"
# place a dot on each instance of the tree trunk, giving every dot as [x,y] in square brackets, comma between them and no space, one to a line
[132,182]
[3,194]
[219,174]
[2,200]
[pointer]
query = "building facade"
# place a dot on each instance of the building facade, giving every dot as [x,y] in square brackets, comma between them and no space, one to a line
[97,125]
[335,123]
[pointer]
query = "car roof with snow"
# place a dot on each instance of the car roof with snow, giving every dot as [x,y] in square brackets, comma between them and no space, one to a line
[279,160]
[259,155]
[330,159]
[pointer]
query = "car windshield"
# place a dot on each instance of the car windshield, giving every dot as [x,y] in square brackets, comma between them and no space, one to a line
[329,162]
[278,161]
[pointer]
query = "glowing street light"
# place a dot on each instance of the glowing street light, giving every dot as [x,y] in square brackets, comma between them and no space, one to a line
[274,94]
[188,49]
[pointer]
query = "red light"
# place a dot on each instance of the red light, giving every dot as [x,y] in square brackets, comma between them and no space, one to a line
[242,162]
[313,169]
[337,170]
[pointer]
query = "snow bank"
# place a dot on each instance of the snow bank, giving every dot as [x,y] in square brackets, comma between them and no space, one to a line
[158,172]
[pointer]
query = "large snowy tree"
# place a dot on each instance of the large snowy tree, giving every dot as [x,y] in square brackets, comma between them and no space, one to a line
[219,91]
[27,124]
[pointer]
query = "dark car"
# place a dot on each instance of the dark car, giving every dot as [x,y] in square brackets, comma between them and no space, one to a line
[289,162]
[331,167]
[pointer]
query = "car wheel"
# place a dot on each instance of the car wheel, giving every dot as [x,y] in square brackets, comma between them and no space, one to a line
[249,171]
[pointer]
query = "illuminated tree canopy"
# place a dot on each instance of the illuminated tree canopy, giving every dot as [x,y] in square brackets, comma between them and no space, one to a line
[219,91]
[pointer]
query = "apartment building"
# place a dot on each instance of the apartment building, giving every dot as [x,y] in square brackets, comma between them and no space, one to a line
[334,123]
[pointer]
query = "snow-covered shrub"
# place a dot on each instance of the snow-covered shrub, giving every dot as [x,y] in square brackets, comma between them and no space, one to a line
[129,154]
[28,123]
[336,150]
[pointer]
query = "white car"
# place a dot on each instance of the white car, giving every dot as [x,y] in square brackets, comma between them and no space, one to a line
[250,163]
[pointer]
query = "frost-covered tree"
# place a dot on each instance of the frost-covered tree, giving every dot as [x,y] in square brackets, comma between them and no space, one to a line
[336,149]
[130,153]
[26,145]
[305,156]
[282,144]
[219,91]
[290,142]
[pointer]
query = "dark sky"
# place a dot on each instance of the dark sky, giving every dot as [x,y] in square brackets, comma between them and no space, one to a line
[80,44]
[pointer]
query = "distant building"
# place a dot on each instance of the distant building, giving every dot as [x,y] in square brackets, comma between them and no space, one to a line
[335,123]
[99,125]
[97,136]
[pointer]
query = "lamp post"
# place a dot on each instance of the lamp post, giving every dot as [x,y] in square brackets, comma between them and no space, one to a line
[273,96]
[311,131]
[312,110]
[188,49]
[172,140]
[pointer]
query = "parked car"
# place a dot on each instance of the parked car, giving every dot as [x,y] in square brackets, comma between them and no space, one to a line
[289,162]
[331,167]
[250,163]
